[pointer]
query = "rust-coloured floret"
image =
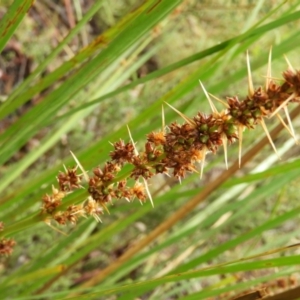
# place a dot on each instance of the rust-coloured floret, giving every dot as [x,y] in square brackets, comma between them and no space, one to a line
[292,82]
[157,138]
[51,202]
[69,180]
[138,191]
[140,169]
[92,208]
[6,246]
[123,152]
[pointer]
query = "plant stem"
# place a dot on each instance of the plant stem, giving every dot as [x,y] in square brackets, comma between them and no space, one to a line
[22,224]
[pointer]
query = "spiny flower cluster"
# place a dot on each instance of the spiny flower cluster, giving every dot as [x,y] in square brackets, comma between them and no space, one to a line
[67,182]
[6,245]
[175,150]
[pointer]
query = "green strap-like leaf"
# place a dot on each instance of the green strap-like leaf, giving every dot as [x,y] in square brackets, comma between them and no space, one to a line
[12,19]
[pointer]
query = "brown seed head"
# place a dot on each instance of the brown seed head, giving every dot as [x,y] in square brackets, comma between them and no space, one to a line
[6,246]
[157,138]
[69,180]
[123,152]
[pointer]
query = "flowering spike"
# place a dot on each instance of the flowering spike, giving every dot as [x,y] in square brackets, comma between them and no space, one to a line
[148,191]
[219,100]
[187,119]
[250,82]
[269,70]
[290,124]
[173,152]
[289,64]
[224,140]
[283,104]
[263,124]
[212,106]
[240,133]
[133,143]
[85,174]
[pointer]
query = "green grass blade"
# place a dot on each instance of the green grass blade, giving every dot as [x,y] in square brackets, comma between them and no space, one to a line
[12,20]
[42,66]
[133,289]
[193,58]
[119,30]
